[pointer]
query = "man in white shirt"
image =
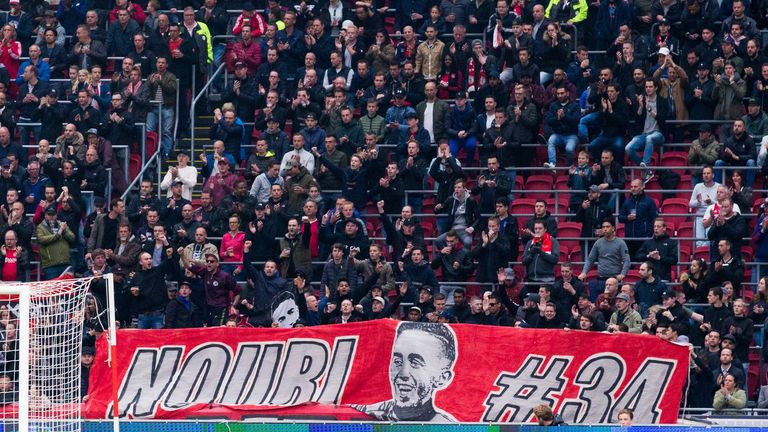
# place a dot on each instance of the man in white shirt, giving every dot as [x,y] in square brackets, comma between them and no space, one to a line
[299,154]
[702,196]
[183,172]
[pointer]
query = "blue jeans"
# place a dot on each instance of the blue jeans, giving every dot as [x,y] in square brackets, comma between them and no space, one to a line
[167,126]
[53,272]
[25,131]
[468,144]
[646,143]
[749,174]
[603,142]
[568,141]
[151,320]
[586,122]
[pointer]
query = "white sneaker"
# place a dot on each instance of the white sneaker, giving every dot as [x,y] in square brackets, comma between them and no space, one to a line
[551,167]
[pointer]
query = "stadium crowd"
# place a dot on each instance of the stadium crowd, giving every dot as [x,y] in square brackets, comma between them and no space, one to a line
[448,161]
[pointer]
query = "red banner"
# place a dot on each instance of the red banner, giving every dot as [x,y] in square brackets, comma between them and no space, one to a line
[389,370]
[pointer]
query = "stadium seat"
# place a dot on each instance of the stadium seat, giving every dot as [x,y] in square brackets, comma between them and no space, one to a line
[675,210]
[568,229]
[685,229]
[701,252]
[539,183]
[522,206]
[632,276]
[747,255]
[685,254]
[151,143]
[674,159]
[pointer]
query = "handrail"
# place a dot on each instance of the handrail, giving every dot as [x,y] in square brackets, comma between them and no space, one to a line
[192,109]
[140,175]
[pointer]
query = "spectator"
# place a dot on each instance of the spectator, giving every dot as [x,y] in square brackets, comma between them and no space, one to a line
[540,213]
[541,254]
[614,114]
[659,250]
[625,316]
[492,252]
[55,238]
[728,225]
[650,120]
[463,214]
[562,121]
[611,254]
[181,312]
[637,214]
[729,397]
[739,150]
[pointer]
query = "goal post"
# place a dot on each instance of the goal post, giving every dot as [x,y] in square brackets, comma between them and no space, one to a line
[42,326]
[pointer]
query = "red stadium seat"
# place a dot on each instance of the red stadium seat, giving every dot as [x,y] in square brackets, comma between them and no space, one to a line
[675,210]
[702,252]
[685,229]
[632,276]
[568,229]
[522,206]
[539,183]
[151,143]
[685,254]
[674,159]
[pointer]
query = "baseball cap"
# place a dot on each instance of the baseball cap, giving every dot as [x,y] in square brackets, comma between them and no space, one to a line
[272,119]
[461,95]
[87,349]
[706,127]
[292,164]
[259,206]
[426,288]
[185,282]
[99,201]
[494,74]
[379,299]
[416,308]
[53,92]
[177,182]
[509,274]
[668,294]
[50,210]
[729,337]
[248,6]
[533,297]
[594,188]
[13,2]
[753,101]
[702,66]
[311,116]
[91,131]
[410,115]
[663,22]
[223,161]
[5,163]
[240,64]
[622,296]
[400,93]
[477,42]
[664,51]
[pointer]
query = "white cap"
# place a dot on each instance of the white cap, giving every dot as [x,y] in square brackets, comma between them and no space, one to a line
[664,51]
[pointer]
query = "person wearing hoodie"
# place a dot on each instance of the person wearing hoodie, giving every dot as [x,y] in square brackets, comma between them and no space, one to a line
[463,214]
[92,173]
[181,312]
[660,250]
[418,273]
[541,254]
[540,213]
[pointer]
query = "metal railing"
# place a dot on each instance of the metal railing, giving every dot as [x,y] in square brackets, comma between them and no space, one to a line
[194,104]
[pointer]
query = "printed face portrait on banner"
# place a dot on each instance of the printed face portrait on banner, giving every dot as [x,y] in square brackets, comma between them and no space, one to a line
[422,362]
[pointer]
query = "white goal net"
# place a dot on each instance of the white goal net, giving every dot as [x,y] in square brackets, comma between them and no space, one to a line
[42,326]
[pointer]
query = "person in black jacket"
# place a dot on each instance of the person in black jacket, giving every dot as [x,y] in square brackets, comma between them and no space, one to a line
[608,176]
[390,189]
[492,184]
[727,267]
[729,225]
[613,118]
[148,288]
[181,312]
[660,250]
[492,253]
[405,238]
[508,227]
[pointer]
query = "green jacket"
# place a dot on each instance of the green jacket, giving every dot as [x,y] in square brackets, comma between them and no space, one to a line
[579,9]
[633,321]
[54,247]
[373,125]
